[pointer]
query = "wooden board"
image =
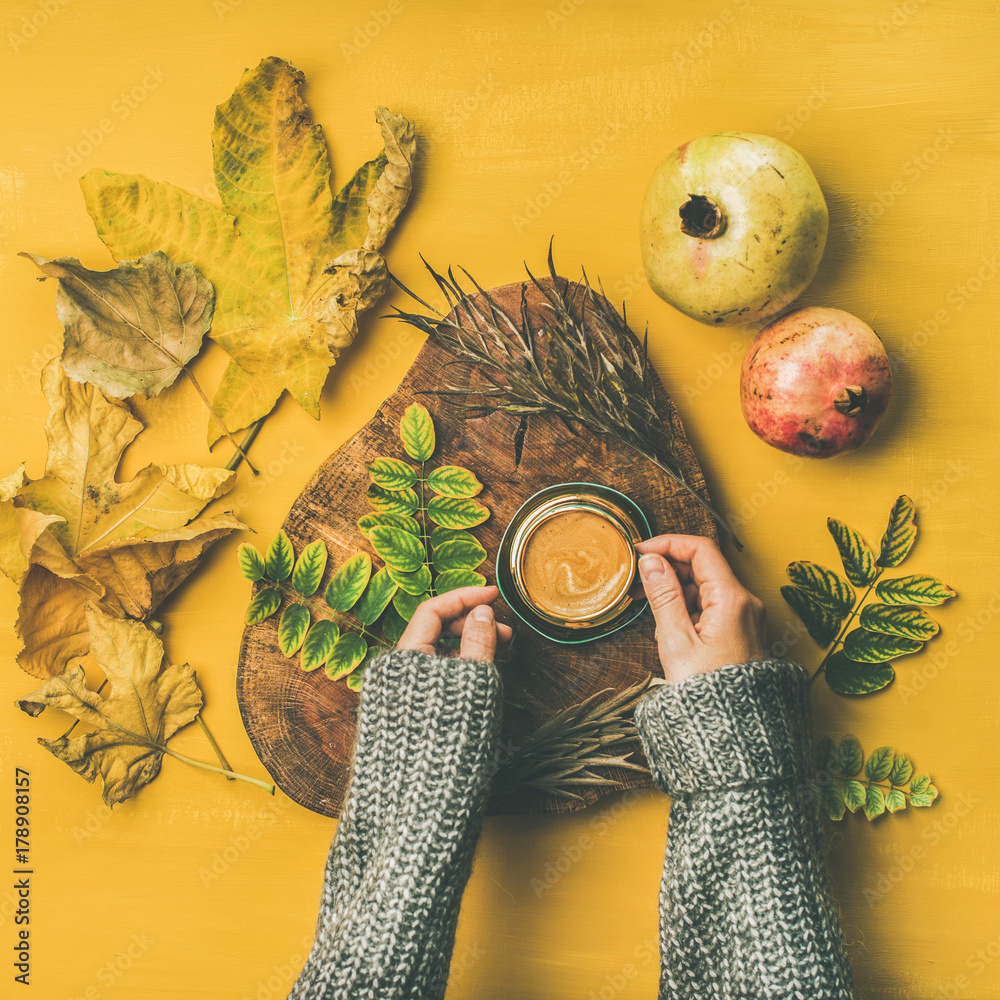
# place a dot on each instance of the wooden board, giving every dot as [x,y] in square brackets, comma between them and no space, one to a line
[302,725]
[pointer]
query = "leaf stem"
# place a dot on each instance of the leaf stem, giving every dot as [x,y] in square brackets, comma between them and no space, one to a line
[847,624]
[248,439]
[425,538]
[218,770]
[215,746]
[324,611]
[218,419]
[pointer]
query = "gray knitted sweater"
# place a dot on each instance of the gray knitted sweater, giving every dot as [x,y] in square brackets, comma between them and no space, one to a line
[745,908]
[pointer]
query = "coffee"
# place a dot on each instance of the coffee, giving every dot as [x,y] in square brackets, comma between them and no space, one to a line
[576,564]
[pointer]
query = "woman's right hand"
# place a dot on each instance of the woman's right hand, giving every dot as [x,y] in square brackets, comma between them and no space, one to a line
[704,617]
[465,612]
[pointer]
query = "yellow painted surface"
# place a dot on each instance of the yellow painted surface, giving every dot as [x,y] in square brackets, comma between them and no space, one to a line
[538,119]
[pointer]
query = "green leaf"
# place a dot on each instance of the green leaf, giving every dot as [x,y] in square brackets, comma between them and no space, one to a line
[349,582]
[458,554]
[356,678]
[416,429]
[309,568]
[292,627]
[845,676]
[441,535]
[826,756]
[263,604]
[920,800]
[863,646]
[916,589]
[318,644]
[391,473]
[406,603]
[895,800]
[879,763]
[454,481]
[902,770]
[831,797]
[820,623]
[376,598]
[450,513]
[393,624]
[823,586]
[900,533]
[920,783]
[348,651]
[251,562]
[413,583]
[874,802]
[398,549]
[854,795]
[896,619]
[402,521]
[850,756]
[452,579]
[392,501]
[855,553]
[279,559]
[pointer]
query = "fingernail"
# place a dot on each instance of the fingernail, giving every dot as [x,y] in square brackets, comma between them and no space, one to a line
[483,614]
[650,566]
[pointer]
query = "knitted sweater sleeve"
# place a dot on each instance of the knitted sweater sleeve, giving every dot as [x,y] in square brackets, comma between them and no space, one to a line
[424,754]
[745,906]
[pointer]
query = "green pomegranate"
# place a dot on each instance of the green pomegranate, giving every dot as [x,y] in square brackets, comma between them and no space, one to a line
[733,227]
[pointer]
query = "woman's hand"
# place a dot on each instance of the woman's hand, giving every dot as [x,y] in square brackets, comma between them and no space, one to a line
[465,612]
[704,616]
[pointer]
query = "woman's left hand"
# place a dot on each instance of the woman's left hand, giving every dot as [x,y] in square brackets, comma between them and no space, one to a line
[465,612]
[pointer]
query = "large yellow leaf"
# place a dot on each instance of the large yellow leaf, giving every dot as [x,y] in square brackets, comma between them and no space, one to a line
[131,725]
[292,265]
[130,330]
[77,535]
[87,433]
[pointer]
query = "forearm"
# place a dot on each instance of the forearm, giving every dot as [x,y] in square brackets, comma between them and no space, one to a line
[745,906]
[402,852]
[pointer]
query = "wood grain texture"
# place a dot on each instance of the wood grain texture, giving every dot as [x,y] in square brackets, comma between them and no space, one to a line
[302,725]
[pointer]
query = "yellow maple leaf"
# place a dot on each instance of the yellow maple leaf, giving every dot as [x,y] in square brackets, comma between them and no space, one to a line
[78,535]
[292,265]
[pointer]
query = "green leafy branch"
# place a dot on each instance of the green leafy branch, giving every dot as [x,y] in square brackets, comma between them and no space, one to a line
[419,562]
[894,625]
[887,785]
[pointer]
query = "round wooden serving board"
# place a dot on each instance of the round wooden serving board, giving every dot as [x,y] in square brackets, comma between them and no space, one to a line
[302,725]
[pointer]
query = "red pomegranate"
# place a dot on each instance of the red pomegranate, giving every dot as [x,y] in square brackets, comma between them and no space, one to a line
[815,382]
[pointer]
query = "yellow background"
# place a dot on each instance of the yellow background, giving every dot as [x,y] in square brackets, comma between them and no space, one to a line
[538,119]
